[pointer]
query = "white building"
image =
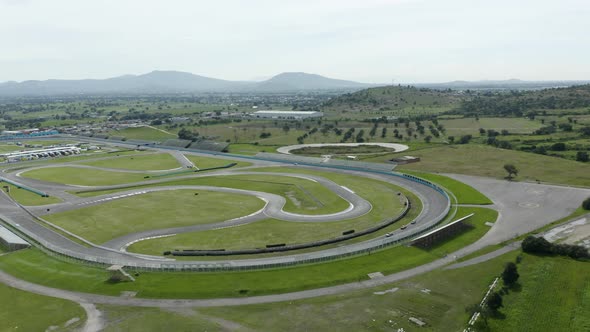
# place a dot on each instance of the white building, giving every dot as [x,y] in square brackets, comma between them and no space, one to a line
[289,115]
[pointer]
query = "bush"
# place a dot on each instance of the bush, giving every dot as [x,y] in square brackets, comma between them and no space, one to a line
[536,245]
[586,204]
[510,274]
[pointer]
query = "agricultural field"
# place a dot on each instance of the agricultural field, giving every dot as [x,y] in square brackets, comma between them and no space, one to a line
[143,212]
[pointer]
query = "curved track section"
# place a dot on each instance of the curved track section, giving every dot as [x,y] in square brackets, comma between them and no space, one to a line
[436,205]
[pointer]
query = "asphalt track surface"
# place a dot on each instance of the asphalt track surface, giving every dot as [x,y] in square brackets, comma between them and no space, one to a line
[521,207]
[435,207]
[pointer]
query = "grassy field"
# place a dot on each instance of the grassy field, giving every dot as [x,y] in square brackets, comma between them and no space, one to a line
[464,126]
[34,266]
[464,193]
[28,198]
[23,311]
[488,161]
[143,133]
[157,161]
[155,210]
[302,196]
[383,197]
[208,162]
[554,295]
[82,176]
[123,319]
[442,308]
[255,235]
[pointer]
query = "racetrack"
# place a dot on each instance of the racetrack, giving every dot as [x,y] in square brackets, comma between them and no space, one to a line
[435,207]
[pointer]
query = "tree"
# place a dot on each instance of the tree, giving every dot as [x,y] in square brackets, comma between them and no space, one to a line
[582,156]
[586,204]
[511,169]
[427,139]
[536,245]
[286,128]
[494,301]
[451,139]
[510,274]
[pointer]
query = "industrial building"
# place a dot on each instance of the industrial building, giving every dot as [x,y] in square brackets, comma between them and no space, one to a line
[287,115]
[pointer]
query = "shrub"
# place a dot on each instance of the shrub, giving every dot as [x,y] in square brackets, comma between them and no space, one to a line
[586,204]
[536,245]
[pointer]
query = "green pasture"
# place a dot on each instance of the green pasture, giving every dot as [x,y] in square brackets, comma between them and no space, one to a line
[553,295]
[24,311]
[144,162]
[34,266]
[155,210]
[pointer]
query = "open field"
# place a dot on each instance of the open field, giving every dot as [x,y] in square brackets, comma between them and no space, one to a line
[143,133]
[146,162]
[123,319]
[464,193]
[208,162]
[483,160]
[255,235]
[19,306]
[554,295]
[471,126]
[441,306]
[32,265]
[28,198]
[82,176]
[302,196]
[143,212]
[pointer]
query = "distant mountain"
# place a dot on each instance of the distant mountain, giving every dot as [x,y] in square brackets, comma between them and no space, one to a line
[174,82]
[304,81]
[511,84]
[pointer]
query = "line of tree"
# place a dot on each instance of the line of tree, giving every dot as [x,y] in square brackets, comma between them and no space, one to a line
[539,245]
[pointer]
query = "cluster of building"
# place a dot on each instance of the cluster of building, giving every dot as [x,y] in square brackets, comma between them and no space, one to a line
[40,153]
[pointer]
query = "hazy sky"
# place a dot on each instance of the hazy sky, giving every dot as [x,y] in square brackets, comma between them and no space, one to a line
[364,40]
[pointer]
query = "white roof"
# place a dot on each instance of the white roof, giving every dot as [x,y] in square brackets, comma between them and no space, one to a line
[287,112]
[10,237]
[443,227]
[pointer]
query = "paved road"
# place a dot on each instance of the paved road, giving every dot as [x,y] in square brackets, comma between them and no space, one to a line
[435,207]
